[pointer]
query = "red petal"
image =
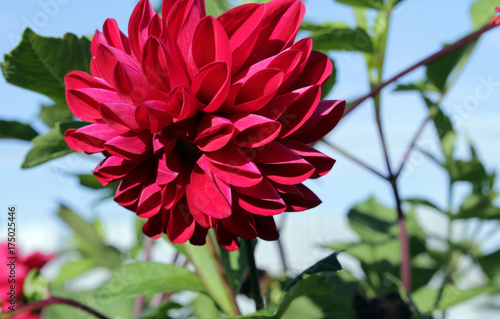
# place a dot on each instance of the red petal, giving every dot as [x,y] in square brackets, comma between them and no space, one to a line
[152,115]
[302,108]
[261,199]
[242,25]
[317,70]
[305,47]
[169,167]
[297,197]
[161,67]
[211,86]
[281,23]
[199,237]
[205,194]
[266,228]
[240,223]
[254,130]
[280,164]
[184,130]
[120,116]
[85,102]
[80,79]
[114,37]
[149,201]
[326,116]
[113,168]
[129,145]
[90,138]
[130,187]
[154,226]
[106,58]
[232,166]
[181,104]
[321,162]
[178,13]
[251,94]
[133,87]
[225,239]
[138,26]
[164,143]
[181,225]
[213,133]
[210,44]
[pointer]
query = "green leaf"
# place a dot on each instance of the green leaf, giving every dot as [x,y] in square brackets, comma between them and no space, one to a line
[40,63]
[444,128]
[36,287]
[425,297]
[57,112]
[202,257]
[342,39]
[320,280]
[424,202]
[217,7]
[89,240]
[330,83]
[373,4]
[50,145]
[148,278]
[482,11]
[478,206]
[90,181]
[372,221]
[468,171]
[235,264]
[439,70]
[490,264]
[161,312]
[74,269]
[16,130]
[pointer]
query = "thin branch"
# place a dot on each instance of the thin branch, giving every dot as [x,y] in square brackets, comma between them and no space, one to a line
[52,301]
[354,159]
[469,38]
[413,143]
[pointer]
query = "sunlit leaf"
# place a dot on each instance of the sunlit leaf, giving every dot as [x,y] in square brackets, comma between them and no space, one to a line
[148,278]
[482,11]
[50,146]
[40,63]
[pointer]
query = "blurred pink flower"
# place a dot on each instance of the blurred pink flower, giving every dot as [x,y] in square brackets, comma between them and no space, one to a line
[23,265]
[206,121]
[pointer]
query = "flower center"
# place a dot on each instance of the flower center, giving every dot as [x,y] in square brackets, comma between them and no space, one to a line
[187,151]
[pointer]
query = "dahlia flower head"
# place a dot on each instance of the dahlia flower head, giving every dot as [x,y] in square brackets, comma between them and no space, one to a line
[24,264]
[206,121]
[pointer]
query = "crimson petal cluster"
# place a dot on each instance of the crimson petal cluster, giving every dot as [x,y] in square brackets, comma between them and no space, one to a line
[206,121]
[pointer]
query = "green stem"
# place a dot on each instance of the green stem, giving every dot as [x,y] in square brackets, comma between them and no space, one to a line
[254,275]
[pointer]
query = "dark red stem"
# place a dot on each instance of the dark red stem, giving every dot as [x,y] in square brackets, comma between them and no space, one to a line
[52,301]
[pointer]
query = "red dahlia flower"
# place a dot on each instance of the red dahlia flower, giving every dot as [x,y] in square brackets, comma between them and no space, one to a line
[23,265]
[206,120]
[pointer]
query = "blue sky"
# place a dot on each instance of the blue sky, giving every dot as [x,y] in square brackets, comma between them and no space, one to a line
[418,28]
